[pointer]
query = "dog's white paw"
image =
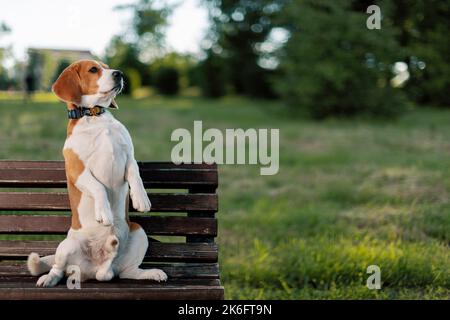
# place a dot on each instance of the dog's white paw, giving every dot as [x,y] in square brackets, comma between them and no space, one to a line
[104,215]
[104,275]
[154,274]
[140,200]
[47,280]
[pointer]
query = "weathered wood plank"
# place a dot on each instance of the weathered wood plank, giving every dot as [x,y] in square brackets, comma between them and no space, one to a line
[42,174]
[153,225]
[59,164]
[19,270]
[21,291]
[197,214]
[6,281]
[55,201]
[157,251]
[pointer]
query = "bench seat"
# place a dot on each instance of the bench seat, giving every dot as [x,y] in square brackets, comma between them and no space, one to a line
[35,215]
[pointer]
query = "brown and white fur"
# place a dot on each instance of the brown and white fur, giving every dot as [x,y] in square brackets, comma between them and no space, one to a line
[101,174]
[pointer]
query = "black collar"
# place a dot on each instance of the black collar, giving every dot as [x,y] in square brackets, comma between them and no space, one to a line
[80,112]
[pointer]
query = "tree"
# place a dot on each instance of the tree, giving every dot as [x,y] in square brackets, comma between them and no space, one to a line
[239,27]
[33,72]
[4,79]
[182,63]
[124,56]
[423,34]
[141,42]
[147,27]
[333,65]
[167,81]
[211,77]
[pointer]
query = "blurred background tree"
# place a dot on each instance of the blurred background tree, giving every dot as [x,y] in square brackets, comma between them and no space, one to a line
[333,65]
[176,68]
[423,33]
[167,80]
[4,78]
[141,42]
[33,72]
[238,30]
[210,75]
[124,55]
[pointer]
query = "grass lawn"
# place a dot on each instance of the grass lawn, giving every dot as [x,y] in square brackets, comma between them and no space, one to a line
[349,194]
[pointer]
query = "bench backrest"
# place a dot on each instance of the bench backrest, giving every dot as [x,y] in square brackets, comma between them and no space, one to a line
[33,201]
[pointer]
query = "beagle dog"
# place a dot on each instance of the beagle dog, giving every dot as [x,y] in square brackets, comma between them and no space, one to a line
[102,174]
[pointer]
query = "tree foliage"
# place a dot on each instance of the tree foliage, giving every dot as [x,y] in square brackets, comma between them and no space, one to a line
[124,56]
[167,81]
[210,75]
[333,65]
[141,42]
[423,32]
[4,79]
[238,28]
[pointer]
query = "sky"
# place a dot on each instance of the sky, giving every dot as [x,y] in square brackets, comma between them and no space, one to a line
[90,24]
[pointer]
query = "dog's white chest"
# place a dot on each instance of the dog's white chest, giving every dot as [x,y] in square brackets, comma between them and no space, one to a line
[103,145]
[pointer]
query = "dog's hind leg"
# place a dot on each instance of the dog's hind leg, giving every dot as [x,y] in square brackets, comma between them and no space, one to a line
[37,265]
[132,259]
[65,250]
[105,271]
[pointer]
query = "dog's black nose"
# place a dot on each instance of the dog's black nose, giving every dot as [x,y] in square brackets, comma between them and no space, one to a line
[117,75]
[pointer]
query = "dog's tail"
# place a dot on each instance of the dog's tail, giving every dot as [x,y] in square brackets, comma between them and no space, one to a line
[37,265]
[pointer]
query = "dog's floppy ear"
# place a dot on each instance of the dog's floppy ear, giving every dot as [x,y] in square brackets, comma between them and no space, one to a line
[114,104]
[67,87]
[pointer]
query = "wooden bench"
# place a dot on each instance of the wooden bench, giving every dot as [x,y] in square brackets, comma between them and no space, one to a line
[182,224]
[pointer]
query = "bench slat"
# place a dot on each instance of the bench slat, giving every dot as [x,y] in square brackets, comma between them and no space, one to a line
[157,251]
[161,202]
[174,270]
[174,226]
[59,164]
[103,291]
[6,281]
[38,174]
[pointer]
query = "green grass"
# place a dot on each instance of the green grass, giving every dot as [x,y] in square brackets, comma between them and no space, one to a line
[348,194]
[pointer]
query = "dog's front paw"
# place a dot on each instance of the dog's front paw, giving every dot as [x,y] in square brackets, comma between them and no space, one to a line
[47,280]
[140,200]
[104,274]
[104,215]
[154,274]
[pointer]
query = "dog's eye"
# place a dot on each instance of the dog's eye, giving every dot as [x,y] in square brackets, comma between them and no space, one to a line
[93,70]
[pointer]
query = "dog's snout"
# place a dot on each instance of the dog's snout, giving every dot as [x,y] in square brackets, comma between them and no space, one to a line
[117,75]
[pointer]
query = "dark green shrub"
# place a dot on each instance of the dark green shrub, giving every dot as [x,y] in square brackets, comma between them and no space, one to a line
[167,81]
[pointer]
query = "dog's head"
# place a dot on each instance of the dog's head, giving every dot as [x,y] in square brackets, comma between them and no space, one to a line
[89,83]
